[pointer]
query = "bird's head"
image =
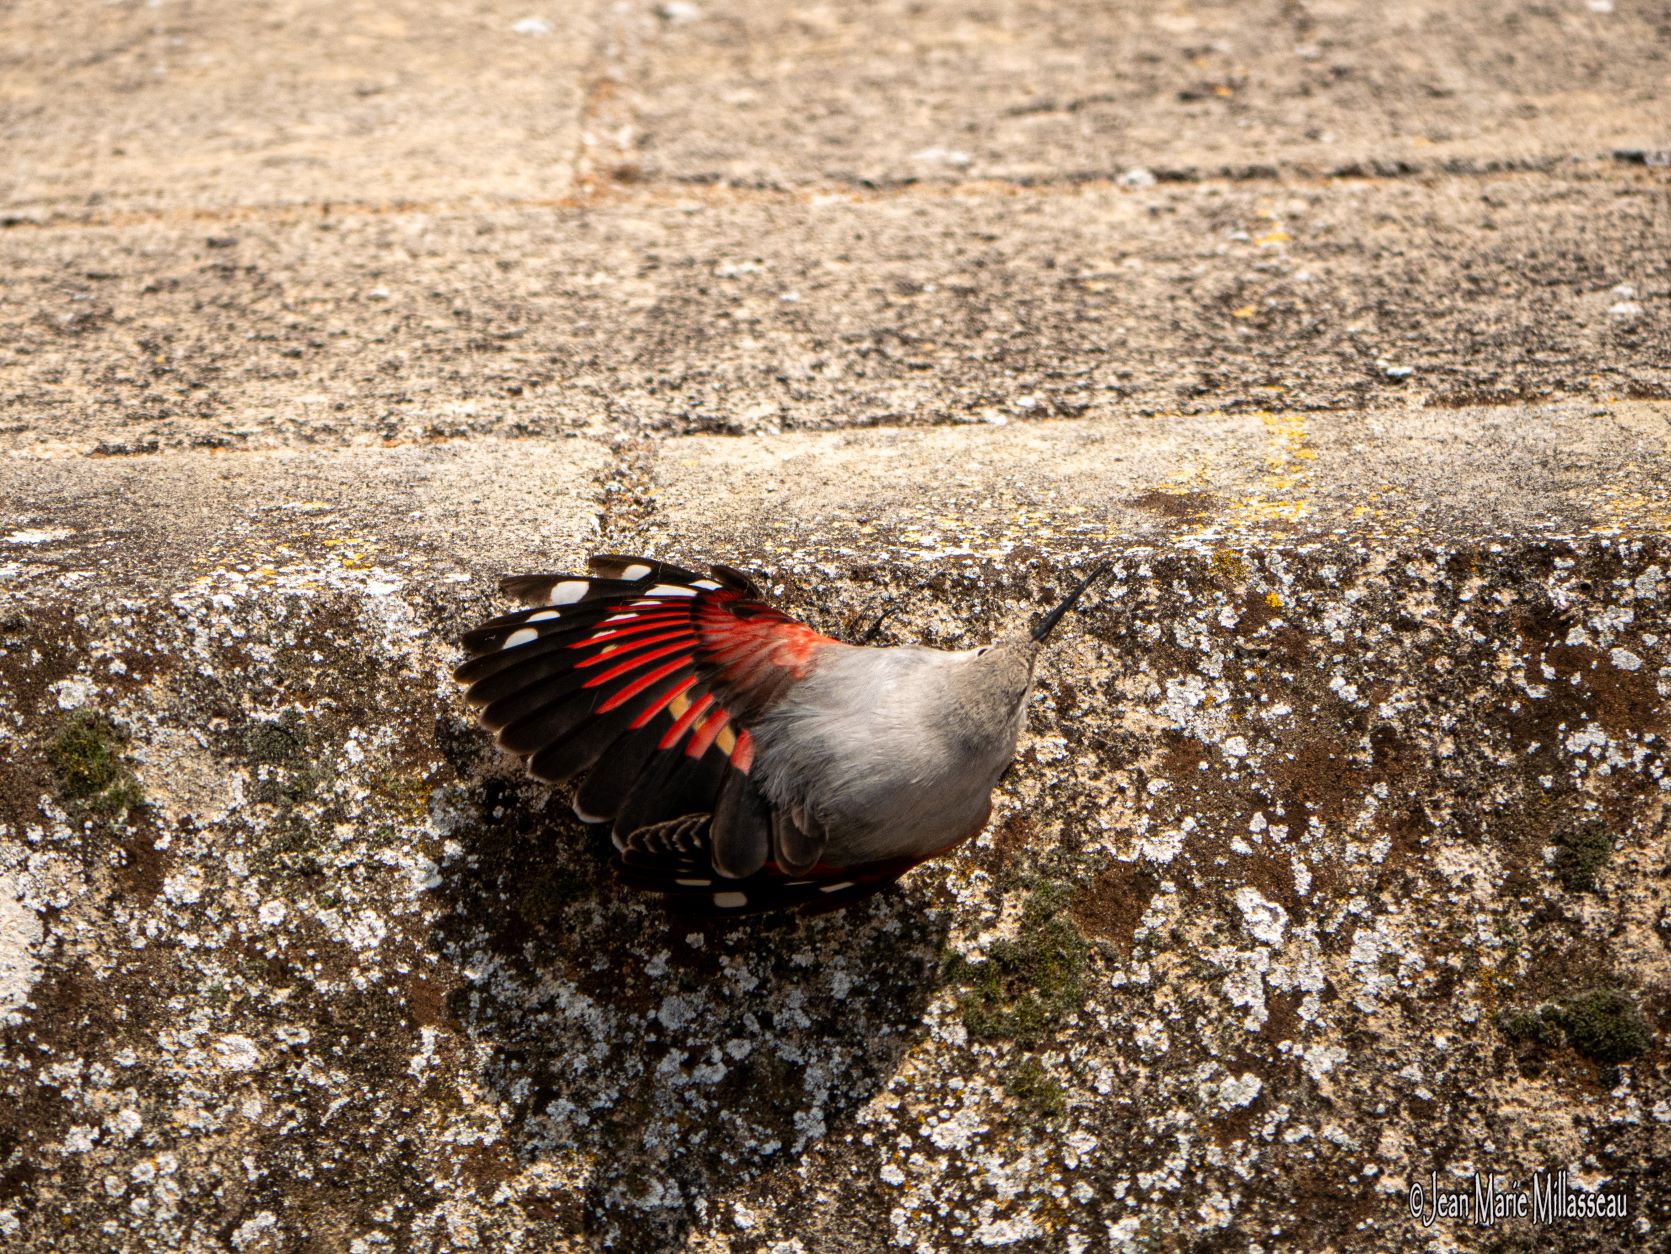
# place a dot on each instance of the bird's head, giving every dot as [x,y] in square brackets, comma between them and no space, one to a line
[1003,670]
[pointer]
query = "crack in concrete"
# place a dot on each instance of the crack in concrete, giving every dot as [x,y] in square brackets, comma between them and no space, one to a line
[606,146]
[626,499]
[595,193]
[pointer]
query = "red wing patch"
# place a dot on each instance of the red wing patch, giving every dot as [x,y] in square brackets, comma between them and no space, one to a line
[750,652]
[646,676]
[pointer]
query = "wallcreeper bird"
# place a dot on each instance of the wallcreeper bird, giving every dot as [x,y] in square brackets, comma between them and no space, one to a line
[744,761]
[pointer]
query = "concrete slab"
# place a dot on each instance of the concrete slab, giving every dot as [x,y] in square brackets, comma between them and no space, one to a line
[763,94]
[196,108]
[1386,479]
[423,517]
[729,312]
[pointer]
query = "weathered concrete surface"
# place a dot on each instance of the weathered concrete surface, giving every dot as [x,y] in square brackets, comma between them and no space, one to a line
[758,93]
[1336,855]
[687,314]
[195,108]
[427,514]
[1067,487]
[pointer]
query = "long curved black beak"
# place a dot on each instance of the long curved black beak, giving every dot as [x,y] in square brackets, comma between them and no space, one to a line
[1048,622]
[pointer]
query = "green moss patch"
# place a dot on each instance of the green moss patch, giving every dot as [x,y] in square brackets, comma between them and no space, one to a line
[1029,985]
[1603,1024]
[1031,1084]
[289,775]
[543,900]
[95,774]
[281,741]
[1580,853]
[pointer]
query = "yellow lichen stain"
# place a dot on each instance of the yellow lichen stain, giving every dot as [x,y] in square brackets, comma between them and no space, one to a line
[1283,495]
[1196,479]
[1379,514]
[304,559]
[408,791]
[1623,510]
[1487,981]
[1274,600]
[1272,239]
[1228,565]
[1246,311]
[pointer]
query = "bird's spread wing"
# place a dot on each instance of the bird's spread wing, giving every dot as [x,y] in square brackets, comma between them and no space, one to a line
[648,676]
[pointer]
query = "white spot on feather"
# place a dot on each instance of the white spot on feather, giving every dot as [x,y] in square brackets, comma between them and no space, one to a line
[672,590]
[567,592]
[730,901]
[707,584]
[835,888]
[692,883]
[544,616]
[522,635]
[636,571]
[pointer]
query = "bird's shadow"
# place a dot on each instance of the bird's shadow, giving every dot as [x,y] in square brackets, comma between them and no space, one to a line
[664,1058]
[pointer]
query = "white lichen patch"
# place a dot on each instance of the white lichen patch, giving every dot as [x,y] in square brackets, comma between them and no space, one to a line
[237,1053]
[1244,984]
[73,693]
[181,776]
[1239,1090]
[38,535]
[1263,919]
[21,934]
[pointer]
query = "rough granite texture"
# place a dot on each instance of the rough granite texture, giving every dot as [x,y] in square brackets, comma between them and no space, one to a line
[1337,851]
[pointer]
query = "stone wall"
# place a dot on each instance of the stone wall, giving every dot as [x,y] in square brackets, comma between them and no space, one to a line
[1335,860]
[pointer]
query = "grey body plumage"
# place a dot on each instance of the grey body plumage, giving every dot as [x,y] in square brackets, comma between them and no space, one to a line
[893,752]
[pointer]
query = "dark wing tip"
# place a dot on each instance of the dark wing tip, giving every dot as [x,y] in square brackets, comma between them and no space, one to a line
[639,569]
[735,579]
[535,589]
